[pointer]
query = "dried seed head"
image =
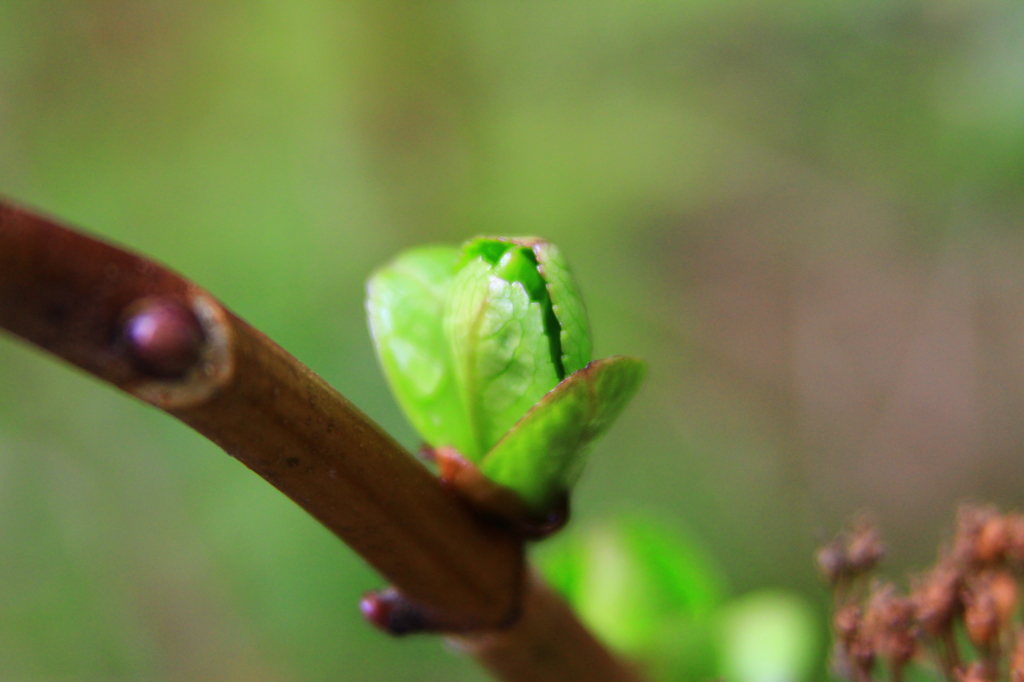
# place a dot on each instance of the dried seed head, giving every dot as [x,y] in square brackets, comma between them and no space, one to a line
[865,548]
[937,598]
[975,672]
[981,618]
[1015,538]
[1017,658]
[993,540]
[850,555]
[164,338]
[831,560]
[890,623]
[854,652]
[839,663]
[970,521]
[846,623]
[1005,593]
[861,655]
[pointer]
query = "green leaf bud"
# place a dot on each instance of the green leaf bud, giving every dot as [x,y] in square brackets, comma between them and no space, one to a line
[487,350]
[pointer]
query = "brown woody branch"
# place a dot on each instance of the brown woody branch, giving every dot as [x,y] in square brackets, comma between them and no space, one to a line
[547,644]
[93,304]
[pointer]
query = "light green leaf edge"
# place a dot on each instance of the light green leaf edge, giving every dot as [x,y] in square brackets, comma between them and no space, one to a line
[405,303]
[567,303]
[542,456]
[566,300]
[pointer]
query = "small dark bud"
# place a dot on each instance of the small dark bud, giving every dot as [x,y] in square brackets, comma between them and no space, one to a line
[389,611]
[375,609]
[164,337]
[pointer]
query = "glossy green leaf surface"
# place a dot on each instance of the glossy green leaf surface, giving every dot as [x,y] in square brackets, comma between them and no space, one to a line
[487,348]
[405,303]
[543,455]
[502,356]
[567,304]
[566,315]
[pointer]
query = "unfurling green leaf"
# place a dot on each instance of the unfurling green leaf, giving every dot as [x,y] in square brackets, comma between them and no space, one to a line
[487,350]
[503,359]
[562,426]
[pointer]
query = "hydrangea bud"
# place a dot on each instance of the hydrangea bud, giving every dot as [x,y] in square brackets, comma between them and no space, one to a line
[487,350]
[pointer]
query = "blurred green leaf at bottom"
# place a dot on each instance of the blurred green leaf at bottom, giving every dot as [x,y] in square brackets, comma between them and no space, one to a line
[646,589]
[654,594]
[768,636]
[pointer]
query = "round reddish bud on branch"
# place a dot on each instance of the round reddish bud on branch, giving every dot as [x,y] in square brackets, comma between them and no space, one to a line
[164,338]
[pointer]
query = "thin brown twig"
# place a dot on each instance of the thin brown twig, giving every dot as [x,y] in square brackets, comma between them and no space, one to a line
[72,295]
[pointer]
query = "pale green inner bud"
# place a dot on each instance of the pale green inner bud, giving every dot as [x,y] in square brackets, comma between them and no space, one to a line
[514,263]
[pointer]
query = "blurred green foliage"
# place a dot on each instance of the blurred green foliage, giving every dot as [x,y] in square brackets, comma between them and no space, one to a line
[713,170]
[768,636]
[657,596]
[647,592]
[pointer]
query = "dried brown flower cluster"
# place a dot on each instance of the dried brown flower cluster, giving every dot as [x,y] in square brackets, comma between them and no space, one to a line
[971,594]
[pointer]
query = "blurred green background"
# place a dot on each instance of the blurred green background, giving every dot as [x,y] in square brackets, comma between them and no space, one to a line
[805,215]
